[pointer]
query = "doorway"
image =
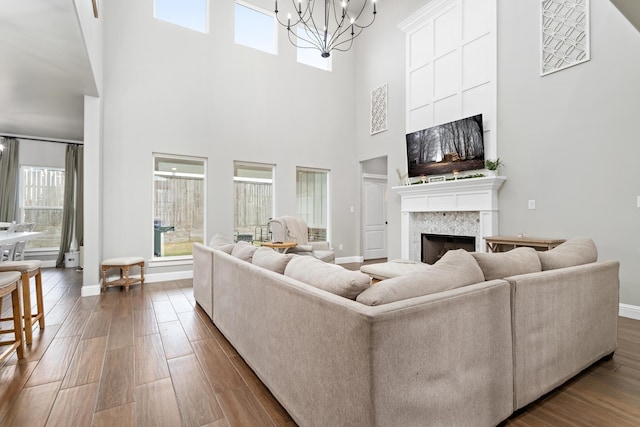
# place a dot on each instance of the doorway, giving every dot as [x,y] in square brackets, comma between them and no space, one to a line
[374,208]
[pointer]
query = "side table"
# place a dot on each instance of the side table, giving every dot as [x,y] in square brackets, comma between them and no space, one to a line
[280,246]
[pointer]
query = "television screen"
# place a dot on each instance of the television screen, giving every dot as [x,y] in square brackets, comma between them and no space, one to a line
[455,146]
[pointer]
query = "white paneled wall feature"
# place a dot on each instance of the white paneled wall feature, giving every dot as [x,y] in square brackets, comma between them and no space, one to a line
[451,65]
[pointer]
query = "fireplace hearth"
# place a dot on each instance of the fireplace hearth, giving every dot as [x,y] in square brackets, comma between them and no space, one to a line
[434,246]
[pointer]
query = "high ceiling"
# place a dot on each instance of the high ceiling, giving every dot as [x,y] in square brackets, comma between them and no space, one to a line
[44,69]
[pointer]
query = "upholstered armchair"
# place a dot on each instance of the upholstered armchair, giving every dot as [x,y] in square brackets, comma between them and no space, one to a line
[293,229]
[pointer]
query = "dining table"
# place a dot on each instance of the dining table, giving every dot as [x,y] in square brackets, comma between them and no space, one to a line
[7,238]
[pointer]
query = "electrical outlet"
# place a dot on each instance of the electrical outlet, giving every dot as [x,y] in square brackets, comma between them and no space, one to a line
[532,204]
[340,247]
[638,201]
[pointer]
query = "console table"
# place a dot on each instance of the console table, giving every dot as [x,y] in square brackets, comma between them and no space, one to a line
[499,243]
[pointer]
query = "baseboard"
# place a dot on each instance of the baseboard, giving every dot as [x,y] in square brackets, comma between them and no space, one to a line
[349,259]
[90,291]
[630,311]
[164,277]
[49,263]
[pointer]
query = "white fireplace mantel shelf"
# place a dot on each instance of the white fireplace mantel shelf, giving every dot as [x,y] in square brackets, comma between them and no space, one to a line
[471,194]
[464,195]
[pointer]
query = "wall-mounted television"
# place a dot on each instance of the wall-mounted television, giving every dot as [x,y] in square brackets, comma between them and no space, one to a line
[454,146]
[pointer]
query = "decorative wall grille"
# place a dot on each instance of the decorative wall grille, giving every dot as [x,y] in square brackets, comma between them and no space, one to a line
[564,34]
[379,109]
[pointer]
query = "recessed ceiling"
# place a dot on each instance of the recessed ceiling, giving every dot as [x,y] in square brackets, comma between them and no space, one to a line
[45,70]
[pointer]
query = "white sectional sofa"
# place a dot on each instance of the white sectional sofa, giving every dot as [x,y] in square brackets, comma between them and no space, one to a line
[457,355]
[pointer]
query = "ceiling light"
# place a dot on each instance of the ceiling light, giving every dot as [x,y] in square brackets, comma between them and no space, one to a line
[339,24]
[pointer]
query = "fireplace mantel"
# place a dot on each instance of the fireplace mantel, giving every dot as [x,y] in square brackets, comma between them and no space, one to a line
[471,194]
[464,195]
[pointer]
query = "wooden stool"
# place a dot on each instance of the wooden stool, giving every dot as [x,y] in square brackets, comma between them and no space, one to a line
[124,264]
[28,269]
[9,285]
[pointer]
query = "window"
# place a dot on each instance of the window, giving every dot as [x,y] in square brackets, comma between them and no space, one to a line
[41,202]
[312,195]
[192,14]
[308,54]
[255,28]
[253,207]
[179,200]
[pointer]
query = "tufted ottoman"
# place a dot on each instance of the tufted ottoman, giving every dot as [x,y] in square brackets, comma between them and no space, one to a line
[124,264]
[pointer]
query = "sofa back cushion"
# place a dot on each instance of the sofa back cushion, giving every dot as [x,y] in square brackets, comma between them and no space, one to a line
[576,251]
[244,251]
[455,269]
[220,240]
[329,277]
[271,259]
[506,264]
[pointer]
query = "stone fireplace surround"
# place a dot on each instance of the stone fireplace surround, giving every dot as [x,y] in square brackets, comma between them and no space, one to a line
[466,207]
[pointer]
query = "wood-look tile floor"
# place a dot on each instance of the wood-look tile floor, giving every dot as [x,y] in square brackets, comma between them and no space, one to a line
[152,357]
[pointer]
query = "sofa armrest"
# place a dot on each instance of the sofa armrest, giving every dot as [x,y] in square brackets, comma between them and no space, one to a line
[203,277]
[563,321]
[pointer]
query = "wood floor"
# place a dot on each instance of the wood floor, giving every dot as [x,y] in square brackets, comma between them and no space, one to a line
[151,357]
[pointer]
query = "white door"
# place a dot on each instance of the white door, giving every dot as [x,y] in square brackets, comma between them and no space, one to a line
[374,217]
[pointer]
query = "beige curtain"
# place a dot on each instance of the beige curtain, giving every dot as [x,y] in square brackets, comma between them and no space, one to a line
[72,198]
[9,169]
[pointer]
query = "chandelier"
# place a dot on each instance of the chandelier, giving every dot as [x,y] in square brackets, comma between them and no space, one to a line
[334,30]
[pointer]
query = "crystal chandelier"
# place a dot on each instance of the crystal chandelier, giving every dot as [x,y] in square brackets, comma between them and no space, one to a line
[340,23]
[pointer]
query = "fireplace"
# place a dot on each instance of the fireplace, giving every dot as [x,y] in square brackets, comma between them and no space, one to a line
[434,246]
[464,207]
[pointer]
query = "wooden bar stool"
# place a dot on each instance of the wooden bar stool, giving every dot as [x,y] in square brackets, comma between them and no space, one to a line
[9,285]
[124,264]
[28,269]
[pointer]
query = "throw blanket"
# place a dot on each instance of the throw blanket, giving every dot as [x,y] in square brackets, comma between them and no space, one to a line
[296,228]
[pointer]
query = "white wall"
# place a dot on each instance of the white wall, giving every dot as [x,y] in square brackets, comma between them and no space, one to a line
[569,140]
[171,90]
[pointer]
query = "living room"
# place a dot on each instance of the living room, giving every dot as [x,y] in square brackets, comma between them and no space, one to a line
[170,90]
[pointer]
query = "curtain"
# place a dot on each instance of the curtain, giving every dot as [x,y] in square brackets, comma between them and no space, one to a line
[9,179]
[69,208]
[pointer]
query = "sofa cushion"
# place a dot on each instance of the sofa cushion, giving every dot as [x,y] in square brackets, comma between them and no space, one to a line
[244,251]
[329,277]
[455,269]
[393,268]
[228,248]
[271,259]
[576,251]
[220,240]
[506,264]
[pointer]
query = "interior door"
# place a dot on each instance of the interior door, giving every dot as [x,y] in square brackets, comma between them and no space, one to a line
[374,217]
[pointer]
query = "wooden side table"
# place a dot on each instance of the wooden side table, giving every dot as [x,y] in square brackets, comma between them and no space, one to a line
[280,246]
[500,243]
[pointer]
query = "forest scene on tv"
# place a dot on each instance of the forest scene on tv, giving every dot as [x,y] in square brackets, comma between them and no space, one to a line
[455,146]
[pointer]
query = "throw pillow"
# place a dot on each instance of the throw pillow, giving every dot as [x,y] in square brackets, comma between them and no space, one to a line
[271,259]
[329,277]
[506,264]
[455,269]
[244,251]
[576,251]
[219,240]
